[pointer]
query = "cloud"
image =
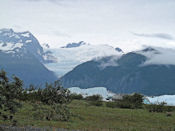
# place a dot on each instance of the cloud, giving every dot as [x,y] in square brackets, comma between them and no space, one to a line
[162,56]
[41,0]
[112,61]
[63,21]
[155,35]
[52,1]
[58,33]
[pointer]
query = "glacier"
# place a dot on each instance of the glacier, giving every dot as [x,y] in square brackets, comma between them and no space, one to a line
[169,99]
[102,91]
[68,58]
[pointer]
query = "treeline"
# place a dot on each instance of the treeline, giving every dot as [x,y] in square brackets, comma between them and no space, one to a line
[133,101]
[49,103]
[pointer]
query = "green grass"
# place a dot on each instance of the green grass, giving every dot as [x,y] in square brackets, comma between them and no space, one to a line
[93,118]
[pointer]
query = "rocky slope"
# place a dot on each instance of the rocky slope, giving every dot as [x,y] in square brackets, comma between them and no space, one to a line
[22,55]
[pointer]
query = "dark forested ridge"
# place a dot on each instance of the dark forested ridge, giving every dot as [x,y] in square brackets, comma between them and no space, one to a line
[26,67]
[127,76]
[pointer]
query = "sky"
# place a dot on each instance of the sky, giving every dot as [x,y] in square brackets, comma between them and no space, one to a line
[128,24]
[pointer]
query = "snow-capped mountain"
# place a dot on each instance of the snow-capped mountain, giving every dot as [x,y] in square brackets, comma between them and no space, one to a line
[76,53]
[22,55]
[73,45]
[22,43]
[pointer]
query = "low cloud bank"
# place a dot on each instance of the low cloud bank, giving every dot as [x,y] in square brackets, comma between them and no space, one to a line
[162,56]
[155,35]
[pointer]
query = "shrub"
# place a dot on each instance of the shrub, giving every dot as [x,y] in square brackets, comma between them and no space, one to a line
[52,100]
[55,94]
[76,96]
[169,108]
[94,98]
[111,104]
[32,94]
[159,107]
[124,104]
[131,101]
[55,112]
[96,103]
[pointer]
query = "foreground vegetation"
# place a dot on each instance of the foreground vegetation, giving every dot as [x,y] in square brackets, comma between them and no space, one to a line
[93,118]
[49,103]
[55,107]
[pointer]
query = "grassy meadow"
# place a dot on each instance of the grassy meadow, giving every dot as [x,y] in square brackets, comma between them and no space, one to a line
[100,118]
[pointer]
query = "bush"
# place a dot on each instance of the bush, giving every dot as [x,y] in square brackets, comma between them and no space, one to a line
[94,98]
[32,94]
[134,101]
[111,104]
[55,94]
[124,104]
[55,112]
[51,94]
[96,103]
[159,107]
[76,96]
[52,100]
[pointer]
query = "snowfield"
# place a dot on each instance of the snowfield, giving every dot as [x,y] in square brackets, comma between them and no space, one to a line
[9,46]
[25,34]
[68,58]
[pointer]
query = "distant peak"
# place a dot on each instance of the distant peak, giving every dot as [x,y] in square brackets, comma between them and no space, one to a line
[73,45]
[148,49]
[6,30]
[10,32]
[26,32]
[119,50]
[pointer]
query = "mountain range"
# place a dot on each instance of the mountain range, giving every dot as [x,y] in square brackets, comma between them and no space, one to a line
[149,71]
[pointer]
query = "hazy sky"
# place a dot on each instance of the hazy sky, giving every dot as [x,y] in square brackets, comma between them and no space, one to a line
[128,24]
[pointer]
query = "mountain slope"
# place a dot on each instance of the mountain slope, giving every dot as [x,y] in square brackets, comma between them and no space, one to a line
[22,55]
[130,73]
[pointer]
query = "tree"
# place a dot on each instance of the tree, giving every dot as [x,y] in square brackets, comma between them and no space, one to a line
[54,99]
[10,91]
[55,94]
[131,101]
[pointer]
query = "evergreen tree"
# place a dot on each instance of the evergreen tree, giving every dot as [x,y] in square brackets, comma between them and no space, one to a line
[10,91]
